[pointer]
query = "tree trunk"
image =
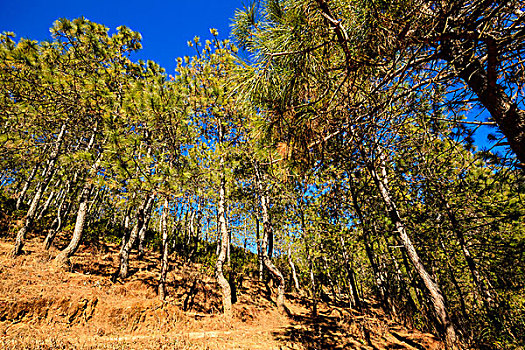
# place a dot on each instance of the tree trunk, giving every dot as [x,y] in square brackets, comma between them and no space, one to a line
[165,252]
[62,259]
[142,233]
[436,296]
[127,220]
[267,241]
[27,183]
[476,278]
[224,235]
[313,285]
[351,276]
[330,279]
[379,276]
[123,270]
[48,201]
[223,282]
[294,273]
[57,223]
[48,172]
[259,249]
[507,114]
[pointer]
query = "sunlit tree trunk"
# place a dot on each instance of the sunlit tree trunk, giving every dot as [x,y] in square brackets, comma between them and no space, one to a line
[260,262]
[62,259]
[61,213]
[165,252]
[48,201]
[267,241]
[436,295]
[48,172]
[378,274]
[294,272]
[225,237]
[27,183]
[123,270]
[143,229]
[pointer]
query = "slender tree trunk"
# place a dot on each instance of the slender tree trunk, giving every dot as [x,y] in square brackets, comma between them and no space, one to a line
[228,251]
[259,249]
[330,279]
[123,270]
[294,273]
[225,237]
[223,282]
[20,237]
[62,259]
[403,286]
[27,183]
[48,201]
[143,229]
[476,278]
[436,296]
[57,223]
[197,227]
[127,221]
[313,285]
[165,253]
[351,278]
[379,276]
[218,248]
[267,241]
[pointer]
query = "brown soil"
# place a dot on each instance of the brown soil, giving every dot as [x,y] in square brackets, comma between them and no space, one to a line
[43,307]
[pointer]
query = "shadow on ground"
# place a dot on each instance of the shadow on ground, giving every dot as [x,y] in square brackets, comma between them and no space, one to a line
[338,328]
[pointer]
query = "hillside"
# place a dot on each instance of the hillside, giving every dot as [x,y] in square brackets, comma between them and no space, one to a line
[42,307]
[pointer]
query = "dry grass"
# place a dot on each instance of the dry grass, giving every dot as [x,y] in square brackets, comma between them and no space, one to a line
[42,307]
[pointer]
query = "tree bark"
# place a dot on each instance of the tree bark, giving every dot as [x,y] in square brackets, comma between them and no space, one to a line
[57,223]
[48,172]
[259,249]
[223,230]
[294,272]
[351,277]
[142,232]
[378,274]
[48,201]
[165,253]
[219,274]
[507,114]
[127,220]
[123,269]
[438,302]
[27,183]
[267,241]
[62,259]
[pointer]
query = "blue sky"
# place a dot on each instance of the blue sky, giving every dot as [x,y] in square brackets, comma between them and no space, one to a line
[166,26]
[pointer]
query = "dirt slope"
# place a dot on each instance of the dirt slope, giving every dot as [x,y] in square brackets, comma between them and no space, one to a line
[42,307]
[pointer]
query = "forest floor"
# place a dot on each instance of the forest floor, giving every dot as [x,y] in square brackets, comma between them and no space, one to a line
[42,307]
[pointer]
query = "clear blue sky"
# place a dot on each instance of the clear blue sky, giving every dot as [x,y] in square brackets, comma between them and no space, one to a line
[166,26]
